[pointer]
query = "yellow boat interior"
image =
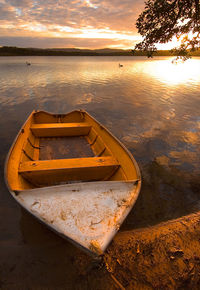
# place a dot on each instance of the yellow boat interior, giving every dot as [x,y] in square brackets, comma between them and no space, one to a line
[54,149]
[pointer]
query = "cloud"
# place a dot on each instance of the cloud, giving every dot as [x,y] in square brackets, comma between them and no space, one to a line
[7,13]
[20,3]
[69,18]
[47,42]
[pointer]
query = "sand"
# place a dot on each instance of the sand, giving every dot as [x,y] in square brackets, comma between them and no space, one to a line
[165,256]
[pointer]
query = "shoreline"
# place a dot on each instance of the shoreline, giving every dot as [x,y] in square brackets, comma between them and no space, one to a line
[164,256]
[27,51]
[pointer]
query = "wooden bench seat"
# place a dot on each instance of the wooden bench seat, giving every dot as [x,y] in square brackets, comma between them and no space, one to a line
[49,172]
[60,129]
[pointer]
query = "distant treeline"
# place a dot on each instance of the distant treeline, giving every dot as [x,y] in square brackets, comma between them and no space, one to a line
[19,51]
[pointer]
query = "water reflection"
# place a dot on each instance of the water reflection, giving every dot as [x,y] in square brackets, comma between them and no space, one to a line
[151,106]
[172,73]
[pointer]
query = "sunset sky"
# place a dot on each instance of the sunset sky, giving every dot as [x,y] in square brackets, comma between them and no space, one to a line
[70,23]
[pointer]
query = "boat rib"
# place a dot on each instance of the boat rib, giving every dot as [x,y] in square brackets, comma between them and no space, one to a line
[72,174]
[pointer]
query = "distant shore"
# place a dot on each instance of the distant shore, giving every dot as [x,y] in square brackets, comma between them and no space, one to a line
[19,51]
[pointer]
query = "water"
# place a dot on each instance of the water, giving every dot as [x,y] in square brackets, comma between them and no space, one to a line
[152,106]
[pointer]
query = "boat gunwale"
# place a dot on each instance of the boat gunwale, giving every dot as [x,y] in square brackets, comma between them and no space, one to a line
[14,193]
[120,143]
[111,134]
[11,149]
[79,111]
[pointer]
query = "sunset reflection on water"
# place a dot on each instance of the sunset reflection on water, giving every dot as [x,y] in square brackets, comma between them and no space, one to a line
[146,103]
[174,73]
[152,106]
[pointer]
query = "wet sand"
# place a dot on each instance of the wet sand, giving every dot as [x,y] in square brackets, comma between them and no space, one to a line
[165,256]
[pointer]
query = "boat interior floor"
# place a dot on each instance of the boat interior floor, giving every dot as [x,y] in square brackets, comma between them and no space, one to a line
[58,153]
[64,147]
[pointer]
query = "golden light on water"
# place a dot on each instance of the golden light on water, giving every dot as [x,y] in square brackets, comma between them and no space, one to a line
[174,74]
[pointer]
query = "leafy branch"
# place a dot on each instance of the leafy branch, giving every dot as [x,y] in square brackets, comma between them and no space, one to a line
[161,20]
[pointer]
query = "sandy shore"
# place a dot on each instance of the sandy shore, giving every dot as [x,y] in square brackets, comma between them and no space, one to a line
[160,257]
[165,256]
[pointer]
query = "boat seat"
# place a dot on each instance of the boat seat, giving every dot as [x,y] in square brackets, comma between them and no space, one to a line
[60,129]
[50,172]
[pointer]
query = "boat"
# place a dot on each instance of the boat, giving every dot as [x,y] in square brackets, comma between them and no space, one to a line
[73,175]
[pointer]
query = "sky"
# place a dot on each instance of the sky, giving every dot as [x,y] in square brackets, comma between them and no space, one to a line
[70,23]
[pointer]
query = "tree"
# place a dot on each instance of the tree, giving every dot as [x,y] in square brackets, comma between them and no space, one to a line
[161,20]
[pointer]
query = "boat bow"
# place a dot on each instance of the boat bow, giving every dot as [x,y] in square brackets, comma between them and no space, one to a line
[89,213]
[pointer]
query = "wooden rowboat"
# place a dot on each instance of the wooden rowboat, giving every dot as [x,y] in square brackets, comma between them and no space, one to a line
[72,174]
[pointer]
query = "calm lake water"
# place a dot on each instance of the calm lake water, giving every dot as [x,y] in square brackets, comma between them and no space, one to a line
[152,106]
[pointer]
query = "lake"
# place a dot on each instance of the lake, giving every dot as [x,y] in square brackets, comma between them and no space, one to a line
[152,106]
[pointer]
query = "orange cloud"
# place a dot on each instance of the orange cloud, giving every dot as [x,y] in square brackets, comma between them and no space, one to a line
[73,19]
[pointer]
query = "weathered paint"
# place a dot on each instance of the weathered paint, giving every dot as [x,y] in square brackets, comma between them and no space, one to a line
[88,213]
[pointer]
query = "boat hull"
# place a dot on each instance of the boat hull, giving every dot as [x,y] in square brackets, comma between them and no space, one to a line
[83,197]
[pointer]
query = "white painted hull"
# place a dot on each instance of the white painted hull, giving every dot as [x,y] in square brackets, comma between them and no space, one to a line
[88,213]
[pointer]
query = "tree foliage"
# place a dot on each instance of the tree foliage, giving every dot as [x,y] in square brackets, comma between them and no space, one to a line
[161,20]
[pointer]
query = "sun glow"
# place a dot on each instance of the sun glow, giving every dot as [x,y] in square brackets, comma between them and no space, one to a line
[90,32]
[37,29]
[175,42]
[174,74]
[106,34]
[169,45]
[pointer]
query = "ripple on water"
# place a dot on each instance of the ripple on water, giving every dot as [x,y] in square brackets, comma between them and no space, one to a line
[151,105]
